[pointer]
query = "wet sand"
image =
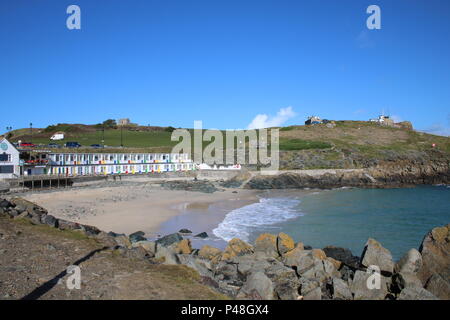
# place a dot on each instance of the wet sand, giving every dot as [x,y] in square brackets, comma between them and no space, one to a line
[146,207]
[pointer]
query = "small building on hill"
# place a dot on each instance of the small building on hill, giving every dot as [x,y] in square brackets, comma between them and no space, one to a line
[123,122]
[313,120]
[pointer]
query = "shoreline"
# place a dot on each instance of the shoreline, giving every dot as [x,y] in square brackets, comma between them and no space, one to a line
[129,208]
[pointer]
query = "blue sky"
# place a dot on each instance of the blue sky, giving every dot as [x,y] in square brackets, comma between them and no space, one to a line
[224,62]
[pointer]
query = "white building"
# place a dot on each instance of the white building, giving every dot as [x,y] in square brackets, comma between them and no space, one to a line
[9,160]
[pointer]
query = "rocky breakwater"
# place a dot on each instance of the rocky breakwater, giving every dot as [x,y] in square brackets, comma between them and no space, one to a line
[276,267]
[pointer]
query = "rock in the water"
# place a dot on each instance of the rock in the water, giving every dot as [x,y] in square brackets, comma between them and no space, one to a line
[439,287]
[137,236]
[411,262]
[415,293]
[435,250]
[187,231]
[343,255]
[202,235]
[341,290]
[236,248]
[375,254]
[266,243]
[257,283]
[169,239]
[284,243]
[360,289]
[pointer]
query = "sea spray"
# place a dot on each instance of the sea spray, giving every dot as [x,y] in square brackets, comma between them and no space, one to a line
[241,222]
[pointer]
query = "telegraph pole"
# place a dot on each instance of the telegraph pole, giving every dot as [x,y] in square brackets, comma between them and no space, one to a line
[121,136]
[31,132]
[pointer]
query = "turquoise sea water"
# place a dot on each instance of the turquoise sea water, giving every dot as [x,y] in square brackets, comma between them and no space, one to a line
[398,218]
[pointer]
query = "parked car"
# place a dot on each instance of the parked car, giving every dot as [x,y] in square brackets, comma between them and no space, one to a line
[53,145]
[96,145]
[72,144]
[27,144]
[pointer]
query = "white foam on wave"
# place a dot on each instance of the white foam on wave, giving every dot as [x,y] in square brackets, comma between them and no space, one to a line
[239,223]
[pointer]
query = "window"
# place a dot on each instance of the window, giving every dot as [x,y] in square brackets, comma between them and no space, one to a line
[6,169]
[5,157]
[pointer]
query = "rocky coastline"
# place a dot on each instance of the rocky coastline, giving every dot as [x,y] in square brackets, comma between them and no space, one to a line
[276,267]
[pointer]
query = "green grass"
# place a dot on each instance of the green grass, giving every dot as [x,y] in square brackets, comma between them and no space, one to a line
[299,144]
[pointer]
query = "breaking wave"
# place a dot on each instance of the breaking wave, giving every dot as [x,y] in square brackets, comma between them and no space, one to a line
[239,223]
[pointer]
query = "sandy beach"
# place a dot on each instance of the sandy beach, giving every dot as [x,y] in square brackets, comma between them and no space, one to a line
[129,207]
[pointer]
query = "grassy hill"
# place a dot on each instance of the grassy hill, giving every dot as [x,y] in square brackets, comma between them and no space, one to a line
[318,146]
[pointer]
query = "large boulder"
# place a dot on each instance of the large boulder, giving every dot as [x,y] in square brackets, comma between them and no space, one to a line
[435,250]
[148,246]
[169,240]
[183,247]
[284,243]
[341,290]
[123,241]
[315,294]
[284,279]
[342,254]
[258,285]
[49,220]
[210,253]
[375,254]
[406,280]
[166,254]
[300,260]
[361,290]
[416,293]
[266,244]
[202,266]
[235,248]
[438,286]
[411,262]
[137,236]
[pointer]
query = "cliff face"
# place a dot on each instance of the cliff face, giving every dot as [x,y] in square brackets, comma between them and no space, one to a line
[384,174]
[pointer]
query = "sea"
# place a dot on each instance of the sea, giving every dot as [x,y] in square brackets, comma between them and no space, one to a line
[346,217]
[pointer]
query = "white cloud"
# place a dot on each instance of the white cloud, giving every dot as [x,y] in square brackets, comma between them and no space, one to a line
[265,121]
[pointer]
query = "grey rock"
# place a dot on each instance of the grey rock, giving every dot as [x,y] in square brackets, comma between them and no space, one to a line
[411,262]
[185,231]
[315,294]
[202,266]
[405,280]
[375,254]
[137,236]
[169,240]
[341,290]
[301,260]
[166,253]
[50,220]
[360,289]
[259,283]
[415,293]
[438,286]
[202,235]
[148,246]
[342,254]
